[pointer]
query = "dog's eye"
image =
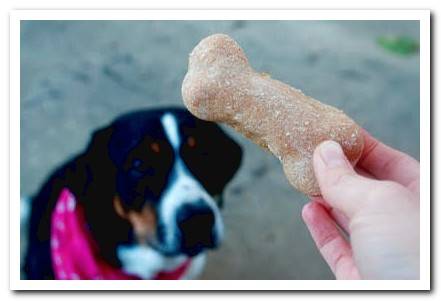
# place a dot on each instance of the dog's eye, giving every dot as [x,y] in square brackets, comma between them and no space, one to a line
[140,168]
[191,141]
[155,147]
[136,163]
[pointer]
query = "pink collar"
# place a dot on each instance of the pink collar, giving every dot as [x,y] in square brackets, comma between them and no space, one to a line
[75,254]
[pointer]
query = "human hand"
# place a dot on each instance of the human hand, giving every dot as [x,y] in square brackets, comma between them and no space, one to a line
[376,206]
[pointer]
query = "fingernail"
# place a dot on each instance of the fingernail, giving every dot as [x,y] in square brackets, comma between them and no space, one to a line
[332,154]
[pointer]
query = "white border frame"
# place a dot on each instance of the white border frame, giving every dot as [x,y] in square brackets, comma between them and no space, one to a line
[14,269]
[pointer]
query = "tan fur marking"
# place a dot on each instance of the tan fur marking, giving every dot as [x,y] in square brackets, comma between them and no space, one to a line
[143,223]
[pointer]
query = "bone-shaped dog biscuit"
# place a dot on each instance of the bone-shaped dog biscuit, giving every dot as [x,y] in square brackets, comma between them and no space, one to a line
[221,86]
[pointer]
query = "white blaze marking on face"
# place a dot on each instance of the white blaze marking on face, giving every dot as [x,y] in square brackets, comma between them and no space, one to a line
[171,130]
[184,188]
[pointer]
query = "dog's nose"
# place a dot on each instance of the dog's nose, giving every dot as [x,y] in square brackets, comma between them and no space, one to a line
[196,222]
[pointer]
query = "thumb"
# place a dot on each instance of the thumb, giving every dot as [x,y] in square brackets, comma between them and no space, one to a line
[339,184]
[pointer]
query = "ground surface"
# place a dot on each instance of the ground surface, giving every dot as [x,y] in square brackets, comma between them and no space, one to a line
[77,76]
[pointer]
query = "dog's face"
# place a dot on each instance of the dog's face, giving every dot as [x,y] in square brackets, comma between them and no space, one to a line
[170,172]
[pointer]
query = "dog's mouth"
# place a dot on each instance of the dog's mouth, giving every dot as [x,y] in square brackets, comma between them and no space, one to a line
[194,251]
[190,252]
[198,247]
[192,229]
[189,238]
[197,233]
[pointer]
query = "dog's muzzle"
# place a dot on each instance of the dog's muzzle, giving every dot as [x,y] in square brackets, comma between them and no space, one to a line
[196,225]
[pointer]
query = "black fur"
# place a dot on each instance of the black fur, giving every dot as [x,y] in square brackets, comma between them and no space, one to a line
[105,169]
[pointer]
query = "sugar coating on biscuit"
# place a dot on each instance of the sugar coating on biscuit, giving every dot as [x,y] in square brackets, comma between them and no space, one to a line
[221,86]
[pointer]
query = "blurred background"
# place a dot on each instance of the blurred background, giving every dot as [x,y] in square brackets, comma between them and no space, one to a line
[79,75]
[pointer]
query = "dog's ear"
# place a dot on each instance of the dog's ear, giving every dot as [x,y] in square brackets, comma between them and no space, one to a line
[99,166]
[99,140]
[106,226]
[230,157]
[214,159]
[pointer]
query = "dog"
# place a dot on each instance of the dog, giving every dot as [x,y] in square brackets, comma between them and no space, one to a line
[141,202]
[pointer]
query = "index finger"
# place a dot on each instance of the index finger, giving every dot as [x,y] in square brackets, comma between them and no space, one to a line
[386,163]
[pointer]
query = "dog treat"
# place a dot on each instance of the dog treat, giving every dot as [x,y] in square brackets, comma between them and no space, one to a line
[221,86]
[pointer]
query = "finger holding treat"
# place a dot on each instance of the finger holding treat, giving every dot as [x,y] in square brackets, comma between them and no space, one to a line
[221,86]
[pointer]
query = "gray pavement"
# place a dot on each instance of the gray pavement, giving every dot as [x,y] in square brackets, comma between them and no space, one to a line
[79,75]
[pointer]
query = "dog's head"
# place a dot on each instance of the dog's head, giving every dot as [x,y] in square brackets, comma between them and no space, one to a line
[166,171]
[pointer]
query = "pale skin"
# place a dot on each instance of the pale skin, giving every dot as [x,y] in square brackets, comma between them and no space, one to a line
[366,224]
